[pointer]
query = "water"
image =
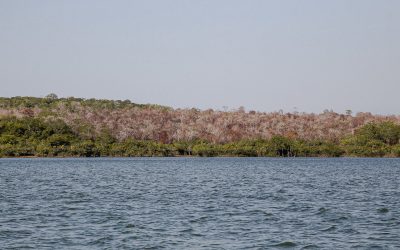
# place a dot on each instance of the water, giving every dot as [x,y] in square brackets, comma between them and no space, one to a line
[199,203]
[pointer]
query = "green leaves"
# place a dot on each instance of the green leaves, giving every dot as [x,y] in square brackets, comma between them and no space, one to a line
[29,136]
[373,140]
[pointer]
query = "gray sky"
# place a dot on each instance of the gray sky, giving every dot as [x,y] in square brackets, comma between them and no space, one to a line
[264,55]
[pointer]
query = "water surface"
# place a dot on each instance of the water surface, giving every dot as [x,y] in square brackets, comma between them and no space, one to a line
[199,203]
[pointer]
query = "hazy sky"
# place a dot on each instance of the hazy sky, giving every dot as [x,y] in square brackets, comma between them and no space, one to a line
[263,55]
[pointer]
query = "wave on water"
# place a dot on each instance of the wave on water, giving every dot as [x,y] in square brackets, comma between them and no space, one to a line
[199,203]
[285,244]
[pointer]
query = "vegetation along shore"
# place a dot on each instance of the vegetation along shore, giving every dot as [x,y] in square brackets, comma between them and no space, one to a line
[63,127]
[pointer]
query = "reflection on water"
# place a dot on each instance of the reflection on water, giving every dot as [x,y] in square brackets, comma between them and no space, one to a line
[195,203]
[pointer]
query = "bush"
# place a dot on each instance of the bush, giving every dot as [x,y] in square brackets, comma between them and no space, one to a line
[30,136]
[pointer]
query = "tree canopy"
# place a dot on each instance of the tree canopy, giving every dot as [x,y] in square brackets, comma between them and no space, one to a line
[54,126]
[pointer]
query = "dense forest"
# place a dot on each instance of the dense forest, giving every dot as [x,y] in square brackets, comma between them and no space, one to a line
[60,127]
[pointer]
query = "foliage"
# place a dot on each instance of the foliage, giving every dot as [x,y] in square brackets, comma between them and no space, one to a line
[54,126]
[374,140]
[125,119]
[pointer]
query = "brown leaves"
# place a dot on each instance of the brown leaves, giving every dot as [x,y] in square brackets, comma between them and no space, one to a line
[168,125]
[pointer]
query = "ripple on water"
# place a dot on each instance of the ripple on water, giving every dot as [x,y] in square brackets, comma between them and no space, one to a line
[338,219]
[383,210]
[199,203]
[130,226]
[322,210]
[285,244]
[200,219]
[329,229]
[311,246]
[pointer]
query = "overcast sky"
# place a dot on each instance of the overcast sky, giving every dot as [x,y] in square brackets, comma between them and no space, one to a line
[263,55]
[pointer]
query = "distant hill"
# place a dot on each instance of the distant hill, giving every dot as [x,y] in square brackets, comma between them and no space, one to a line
[54,126]
[124,119]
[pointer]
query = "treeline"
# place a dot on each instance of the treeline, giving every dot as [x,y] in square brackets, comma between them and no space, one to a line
[52,101]
[36,136]
[125,120]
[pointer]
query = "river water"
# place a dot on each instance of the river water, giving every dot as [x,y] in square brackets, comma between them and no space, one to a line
[200,203]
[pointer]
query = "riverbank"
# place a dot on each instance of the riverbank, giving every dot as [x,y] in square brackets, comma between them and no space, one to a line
[72,127]
[34,137]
